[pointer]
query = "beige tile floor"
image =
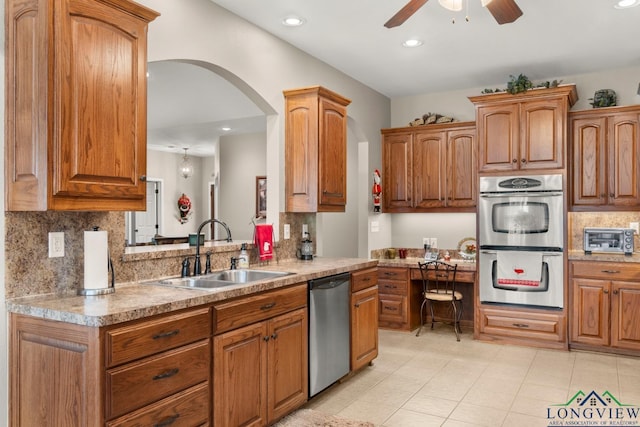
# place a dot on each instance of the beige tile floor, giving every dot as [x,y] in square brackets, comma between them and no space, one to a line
[432,380]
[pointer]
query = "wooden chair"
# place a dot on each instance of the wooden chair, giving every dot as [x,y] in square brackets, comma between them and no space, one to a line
[439,285]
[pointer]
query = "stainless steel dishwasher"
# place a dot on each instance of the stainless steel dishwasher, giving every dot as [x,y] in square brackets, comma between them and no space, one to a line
[329,327]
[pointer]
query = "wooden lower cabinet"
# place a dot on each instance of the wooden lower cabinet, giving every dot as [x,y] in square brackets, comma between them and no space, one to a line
[399,306]
[149,371]
[260,370]
[364,317]
[605,305]
[540,328]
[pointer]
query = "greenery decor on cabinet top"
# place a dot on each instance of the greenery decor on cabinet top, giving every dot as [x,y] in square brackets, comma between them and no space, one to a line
[522,84]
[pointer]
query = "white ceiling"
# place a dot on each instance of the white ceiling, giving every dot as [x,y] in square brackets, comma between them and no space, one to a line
[188,105]
[553,38]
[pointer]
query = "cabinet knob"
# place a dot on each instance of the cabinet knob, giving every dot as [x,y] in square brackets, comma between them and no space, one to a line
[615,292]
[523,160]
[274,336]
[606,291]
[514,161]
[143,178]
[266,338]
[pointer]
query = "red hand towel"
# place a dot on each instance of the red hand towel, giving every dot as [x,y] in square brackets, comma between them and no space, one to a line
[264,241]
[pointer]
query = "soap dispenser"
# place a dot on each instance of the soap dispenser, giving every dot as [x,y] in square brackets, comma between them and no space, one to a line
[243,259]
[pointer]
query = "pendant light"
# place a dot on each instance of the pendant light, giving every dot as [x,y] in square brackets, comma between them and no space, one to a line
[186,167]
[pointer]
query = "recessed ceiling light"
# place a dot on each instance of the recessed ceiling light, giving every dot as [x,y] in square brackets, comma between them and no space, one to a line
[412,43]
[226,129]
[292,21]
[625,4]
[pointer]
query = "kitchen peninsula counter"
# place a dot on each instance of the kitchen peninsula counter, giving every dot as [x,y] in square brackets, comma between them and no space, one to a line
[133,301]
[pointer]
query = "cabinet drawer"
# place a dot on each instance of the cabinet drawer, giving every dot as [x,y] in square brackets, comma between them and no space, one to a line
[392,287]
[189,407]
[246,310]
[364,279]
[461,276]
[393,308]
[137,384]
[516,324]
[142,339]
[606,270]
[389,273]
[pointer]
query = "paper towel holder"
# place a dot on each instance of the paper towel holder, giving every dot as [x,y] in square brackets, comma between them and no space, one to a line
[104,291]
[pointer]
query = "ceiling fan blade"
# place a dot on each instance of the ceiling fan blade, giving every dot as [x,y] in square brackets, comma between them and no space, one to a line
[405,13]
[504,11]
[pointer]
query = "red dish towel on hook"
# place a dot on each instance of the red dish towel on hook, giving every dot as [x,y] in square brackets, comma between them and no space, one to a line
[264,241]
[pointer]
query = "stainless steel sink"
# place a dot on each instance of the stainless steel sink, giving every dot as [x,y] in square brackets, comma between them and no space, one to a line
[221,279]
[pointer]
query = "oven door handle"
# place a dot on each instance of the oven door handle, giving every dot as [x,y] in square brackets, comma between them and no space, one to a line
[491,252]
[502,195]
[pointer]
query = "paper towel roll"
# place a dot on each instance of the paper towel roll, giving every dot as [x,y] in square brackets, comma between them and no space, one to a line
[96,260]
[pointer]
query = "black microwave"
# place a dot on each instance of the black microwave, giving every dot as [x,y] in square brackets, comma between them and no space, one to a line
[608,240]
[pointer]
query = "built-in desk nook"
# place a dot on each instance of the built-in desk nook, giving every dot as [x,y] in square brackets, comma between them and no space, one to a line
[400,287]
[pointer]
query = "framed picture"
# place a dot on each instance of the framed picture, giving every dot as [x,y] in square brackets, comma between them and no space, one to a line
[261,196]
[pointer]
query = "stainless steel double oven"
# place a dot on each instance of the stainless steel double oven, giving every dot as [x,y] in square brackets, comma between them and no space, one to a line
[521,240]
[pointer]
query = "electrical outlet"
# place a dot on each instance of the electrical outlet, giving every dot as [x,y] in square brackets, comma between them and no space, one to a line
[635,226]
[305,230]
[56,244]
[287,231]
[426,241]
[434,242]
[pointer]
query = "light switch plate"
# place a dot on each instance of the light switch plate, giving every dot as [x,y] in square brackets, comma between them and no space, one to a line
[635,226]
[305,230]
[426,241]
[287,231]
[375,226]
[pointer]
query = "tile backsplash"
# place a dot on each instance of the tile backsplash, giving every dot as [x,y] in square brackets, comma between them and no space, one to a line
[29,270]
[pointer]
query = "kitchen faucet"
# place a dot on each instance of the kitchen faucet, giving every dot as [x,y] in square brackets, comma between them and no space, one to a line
[196,265]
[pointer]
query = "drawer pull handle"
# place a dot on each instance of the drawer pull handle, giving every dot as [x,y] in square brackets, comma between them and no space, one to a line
[167,422]
[166,334]
[166,374]
[268,306]
[389,274]
[366,279]
[331,193]
[390,286]
[391,308]
[520,325]
[611,271]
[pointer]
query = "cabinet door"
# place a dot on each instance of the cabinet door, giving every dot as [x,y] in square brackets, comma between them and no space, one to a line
[99,145]
[332,156]
[589,170]
[624,166]
[461,168]
[288,373]
[364,327]
[625,315]
[240,377]
[498,136]
[542,134]
[396,178]
[590,324]
[301,153]
[429,166]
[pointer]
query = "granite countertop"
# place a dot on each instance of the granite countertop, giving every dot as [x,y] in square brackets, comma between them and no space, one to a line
[579,255]
[463,265]
[138,300]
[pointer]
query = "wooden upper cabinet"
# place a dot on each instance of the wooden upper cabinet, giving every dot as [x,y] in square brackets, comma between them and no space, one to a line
[525,131]
[605,168]
[76,105]
[429,168]
[397,164]
[315,150]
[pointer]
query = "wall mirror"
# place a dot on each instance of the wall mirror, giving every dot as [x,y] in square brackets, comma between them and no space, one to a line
[206,144]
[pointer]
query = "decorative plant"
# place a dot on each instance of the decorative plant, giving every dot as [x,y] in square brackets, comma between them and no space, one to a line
[522,84]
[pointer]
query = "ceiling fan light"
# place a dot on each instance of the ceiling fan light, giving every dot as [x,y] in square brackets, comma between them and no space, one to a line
[452,5]
[625,4]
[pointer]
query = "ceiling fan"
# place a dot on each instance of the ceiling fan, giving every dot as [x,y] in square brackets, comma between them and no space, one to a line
[504,11]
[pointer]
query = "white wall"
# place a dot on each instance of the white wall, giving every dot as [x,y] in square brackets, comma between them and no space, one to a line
[242,158]
[199,30]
